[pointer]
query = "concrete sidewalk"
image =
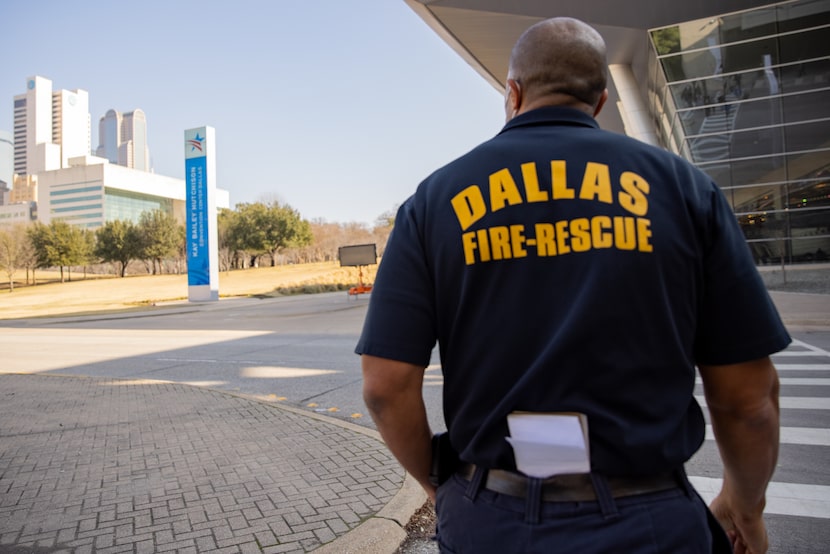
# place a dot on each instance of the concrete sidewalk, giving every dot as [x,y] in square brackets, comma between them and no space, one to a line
[803,311]
[104,465]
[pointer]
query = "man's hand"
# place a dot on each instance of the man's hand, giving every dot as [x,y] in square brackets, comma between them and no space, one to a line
[747,535]
[743,408]
[392,391]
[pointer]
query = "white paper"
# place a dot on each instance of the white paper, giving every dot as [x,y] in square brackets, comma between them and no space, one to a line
[549,444]
[544,460]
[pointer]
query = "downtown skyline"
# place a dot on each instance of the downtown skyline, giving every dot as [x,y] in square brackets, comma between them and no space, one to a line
[339,111]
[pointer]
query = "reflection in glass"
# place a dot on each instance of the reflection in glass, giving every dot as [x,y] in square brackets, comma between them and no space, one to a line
[810,235]
[806,45]
[809,165]
[808,105]
[760,198]
[761,225]
[128,206]
[807,136]
[811,192]
[746,97]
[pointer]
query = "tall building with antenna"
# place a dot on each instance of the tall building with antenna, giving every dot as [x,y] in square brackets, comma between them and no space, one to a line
[50,127]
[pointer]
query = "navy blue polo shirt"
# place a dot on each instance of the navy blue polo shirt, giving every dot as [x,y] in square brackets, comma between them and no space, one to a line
[561,267]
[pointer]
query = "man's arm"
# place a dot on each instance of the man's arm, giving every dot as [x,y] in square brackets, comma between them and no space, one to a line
[743,408]
[393,395]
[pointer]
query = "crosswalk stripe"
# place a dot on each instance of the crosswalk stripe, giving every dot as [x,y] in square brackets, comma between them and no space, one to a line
[791,402]
[799,381]
[802,367]
[802,381]
[783,353]
[810,436]
[807,346]
[790,499]
[797,344]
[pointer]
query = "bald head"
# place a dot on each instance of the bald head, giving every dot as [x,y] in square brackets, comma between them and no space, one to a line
[560,61]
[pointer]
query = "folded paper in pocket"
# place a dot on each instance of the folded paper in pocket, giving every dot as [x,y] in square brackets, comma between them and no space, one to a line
[549,444]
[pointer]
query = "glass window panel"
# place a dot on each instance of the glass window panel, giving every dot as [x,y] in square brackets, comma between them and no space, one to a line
[804,45]
[806,76]
[749,55]
[810,221]
[700,33]
[666,40]
[713,92]
[801,15]
[767,252]
[655,74]
[808,165]
[691,65]
[810,234]
[809,194]
[682,94]
[769,169]
[691,121]
[759,198]
[794,250]
[807,136]
[807,106]
[763,225]
[748,25]
[755,113]
[129,206]
[810,249]
[710,148]
[757,142]
[721,173]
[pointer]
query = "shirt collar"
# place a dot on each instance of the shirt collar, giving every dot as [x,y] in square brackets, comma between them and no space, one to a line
[551,115]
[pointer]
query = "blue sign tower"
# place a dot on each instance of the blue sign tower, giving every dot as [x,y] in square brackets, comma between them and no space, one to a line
[200,214]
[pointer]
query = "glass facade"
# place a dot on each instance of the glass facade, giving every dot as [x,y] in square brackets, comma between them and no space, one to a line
[746,97]
[79,203]
[128,206]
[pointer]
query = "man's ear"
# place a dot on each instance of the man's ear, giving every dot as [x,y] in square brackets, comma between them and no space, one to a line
[513,97]
[601,102]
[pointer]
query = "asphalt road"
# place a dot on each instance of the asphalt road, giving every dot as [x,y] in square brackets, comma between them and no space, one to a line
[299,351]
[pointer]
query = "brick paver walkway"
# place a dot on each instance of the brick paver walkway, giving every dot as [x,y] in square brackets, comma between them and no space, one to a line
[103,465]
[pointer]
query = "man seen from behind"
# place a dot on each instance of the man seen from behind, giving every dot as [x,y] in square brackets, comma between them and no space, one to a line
[564,269]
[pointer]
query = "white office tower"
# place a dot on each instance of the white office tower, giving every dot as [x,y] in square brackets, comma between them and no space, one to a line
[123,139]
[49,127]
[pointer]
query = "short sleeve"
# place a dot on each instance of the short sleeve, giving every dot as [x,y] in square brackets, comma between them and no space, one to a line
[737,319]
[400,321]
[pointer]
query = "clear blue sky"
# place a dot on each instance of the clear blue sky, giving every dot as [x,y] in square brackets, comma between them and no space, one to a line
[338,108]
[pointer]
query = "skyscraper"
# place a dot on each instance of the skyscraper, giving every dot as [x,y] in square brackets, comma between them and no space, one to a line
[123,139]
[49,127]
[109,136]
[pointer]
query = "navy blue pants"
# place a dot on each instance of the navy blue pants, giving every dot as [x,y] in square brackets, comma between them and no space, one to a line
[481,522]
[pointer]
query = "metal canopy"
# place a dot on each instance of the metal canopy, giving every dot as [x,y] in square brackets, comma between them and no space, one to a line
[483,31]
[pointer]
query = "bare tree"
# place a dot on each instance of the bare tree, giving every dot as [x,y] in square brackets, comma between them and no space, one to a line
[15,249]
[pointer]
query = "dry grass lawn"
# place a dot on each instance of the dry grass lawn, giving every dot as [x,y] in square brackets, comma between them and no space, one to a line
[108,294]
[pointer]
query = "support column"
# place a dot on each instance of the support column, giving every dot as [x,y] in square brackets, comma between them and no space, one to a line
[633,109]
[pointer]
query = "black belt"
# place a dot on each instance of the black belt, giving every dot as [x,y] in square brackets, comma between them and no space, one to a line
[571,487]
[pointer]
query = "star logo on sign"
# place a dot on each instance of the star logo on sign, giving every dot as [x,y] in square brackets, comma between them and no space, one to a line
[196,143]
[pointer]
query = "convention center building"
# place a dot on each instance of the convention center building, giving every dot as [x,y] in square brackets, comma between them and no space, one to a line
[741,88]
